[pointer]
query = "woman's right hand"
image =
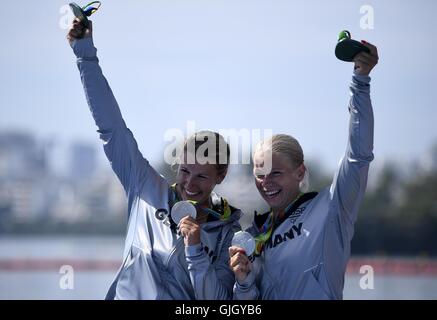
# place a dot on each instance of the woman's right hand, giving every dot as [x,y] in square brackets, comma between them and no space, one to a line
[364,62]
[239,263]
[78,31]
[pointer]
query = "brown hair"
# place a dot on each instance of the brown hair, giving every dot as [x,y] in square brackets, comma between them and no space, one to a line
[203,139]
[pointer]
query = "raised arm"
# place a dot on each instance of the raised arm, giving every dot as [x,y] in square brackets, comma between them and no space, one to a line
[349,185]
[119,144]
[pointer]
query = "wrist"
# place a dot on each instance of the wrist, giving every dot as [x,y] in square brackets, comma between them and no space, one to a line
[84,48]
[247,282]
[193,250]
[191,242]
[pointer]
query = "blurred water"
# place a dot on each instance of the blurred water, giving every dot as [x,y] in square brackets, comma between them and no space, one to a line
[57,247]
[44,282]
[46,285]
[392,287]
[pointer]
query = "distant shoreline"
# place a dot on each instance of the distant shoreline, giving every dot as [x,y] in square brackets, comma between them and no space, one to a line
[404,266]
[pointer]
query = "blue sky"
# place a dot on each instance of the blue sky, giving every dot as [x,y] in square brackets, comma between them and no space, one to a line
[225,64]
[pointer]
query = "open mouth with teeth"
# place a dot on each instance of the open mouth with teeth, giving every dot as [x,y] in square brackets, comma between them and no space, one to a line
[271,194]
[191,194]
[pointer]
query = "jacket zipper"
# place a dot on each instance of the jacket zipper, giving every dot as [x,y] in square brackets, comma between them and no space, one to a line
[173,251]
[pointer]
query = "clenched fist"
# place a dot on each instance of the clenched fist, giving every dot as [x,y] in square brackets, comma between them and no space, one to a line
[78,31]
[364,62]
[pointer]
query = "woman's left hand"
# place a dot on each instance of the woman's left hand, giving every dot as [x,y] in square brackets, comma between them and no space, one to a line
[190,230]
[364,62]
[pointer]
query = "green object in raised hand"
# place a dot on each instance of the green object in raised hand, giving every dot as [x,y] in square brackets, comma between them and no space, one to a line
[82,13]
[346,48]
[344,35]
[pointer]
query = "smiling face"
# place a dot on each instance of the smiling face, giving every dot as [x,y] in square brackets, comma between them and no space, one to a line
[203,165]
[196,181]
[280,186]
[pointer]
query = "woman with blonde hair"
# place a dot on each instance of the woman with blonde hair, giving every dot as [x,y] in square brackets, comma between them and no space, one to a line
[303,242]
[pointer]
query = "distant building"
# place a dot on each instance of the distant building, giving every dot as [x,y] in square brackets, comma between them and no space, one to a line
[23,172]
[116,197]
[21,156]
[30,192]
[83,161]
[66,205]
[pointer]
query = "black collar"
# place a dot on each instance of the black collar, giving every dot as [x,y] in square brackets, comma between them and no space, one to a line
[260,219]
